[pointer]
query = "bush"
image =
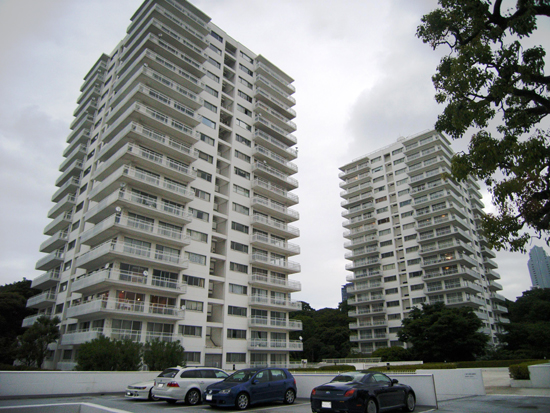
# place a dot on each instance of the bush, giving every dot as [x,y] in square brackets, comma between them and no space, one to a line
[521,371]
[393,354]
[414,367]
[338,367]
[489,363]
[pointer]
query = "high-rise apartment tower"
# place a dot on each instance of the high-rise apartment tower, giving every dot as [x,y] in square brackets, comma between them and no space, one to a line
[412,236]
[539,267]
[173,215]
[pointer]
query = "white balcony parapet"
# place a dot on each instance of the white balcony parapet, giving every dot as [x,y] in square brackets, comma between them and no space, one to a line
[275,323]
[276,206]
[280,263]
[263,300]
[276,243]
[122,306]
[275,173]
[291,345]
[276,188]
[272,73]
[276,282]
[40,298]
[278,158]
[276,224]
[260,133]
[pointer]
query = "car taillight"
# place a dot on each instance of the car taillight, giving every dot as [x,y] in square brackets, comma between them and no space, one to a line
[313,392]
[349,393]
[172,384]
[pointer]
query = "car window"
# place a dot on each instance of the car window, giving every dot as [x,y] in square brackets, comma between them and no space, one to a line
[241,376]
[170,373]
[346,378]
[190,374]
[277,375]
[262,376]
[367,378]
[208,374]
[220,374]
[380,378]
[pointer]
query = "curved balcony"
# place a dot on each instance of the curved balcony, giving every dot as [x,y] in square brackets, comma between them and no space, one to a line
[65,204]
[274,209]
[275,264]
[276,192]
[41,301]
[47,280]
[59,223]
[278,161]
[359,220]
[274,145]
[275,227]
[101,280]
[50,261]
[275,323]
[280,247]
[353,202]
[262,169]
[55,242]
[263,301]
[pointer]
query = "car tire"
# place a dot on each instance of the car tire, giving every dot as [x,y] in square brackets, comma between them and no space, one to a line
[242,401]
[410,403]
[151,397]
[372,406]
[290,396]
[171,401]
[193,397]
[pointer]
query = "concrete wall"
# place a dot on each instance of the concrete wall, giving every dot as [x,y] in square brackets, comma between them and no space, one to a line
[453,383]
[540,375]
[61,408]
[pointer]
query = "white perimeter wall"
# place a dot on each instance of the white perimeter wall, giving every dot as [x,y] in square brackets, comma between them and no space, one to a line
[453,383]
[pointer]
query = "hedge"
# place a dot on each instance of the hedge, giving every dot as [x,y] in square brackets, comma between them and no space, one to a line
[521,371]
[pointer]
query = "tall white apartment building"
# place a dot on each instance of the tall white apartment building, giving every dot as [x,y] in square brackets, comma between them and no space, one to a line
[173,215]
[413,238]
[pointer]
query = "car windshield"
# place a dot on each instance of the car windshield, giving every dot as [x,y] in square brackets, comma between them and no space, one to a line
[170,373]
[346,378]
[241,376]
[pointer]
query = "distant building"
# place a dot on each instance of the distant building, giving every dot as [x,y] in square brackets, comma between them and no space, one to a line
[539,267]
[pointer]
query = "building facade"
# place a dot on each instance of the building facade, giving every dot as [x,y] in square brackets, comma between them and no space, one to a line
[173,215]
[413,238]
[539,267]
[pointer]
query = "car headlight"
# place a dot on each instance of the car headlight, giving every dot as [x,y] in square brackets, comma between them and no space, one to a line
[225,391]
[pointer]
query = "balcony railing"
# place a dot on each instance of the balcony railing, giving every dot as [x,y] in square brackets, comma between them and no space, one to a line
[291,345]
[270,301]
[276,282]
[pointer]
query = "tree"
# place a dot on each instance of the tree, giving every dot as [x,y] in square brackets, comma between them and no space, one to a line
[159,355]
[392,354]
[528,333]
[491,75]
[441,333]
[105,354]
[32,346]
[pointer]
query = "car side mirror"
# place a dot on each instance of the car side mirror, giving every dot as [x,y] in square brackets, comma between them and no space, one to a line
[255,381]
[394,381]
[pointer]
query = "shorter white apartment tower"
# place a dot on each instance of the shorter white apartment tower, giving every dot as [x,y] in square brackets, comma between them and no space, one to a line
[173,217]
[412,236]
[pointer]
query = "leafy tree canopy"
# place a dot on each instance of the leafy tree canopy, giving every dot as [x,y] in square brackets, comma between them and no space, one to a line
[528,333]
[106,354]
[159,355]
[32,346]
[393,354]
[441,333]
[491,74]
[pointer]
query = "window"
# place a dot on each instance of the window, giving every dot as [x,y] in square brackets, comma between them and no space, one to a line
[407,214]
[216,36]
[206,157]
[238,289]
[387,254]
[240,311]
[390,304]
[390,279]
[386,243]
[382,199]
[212,91]
[242,156]
[384,232]
[243,140]
[379,189]
[403,192]
[196,258]
[233,266]
[377,169]
[214,63]
[204,175]
[383,221]
[246,57]
[381,210]
[235,357]
[215,49]
[388,267]
[243,125]
[244,110]
[241,173]
[417,287]
[391,291]
[203,216]
[374,160]
[395,152]
[236,334]
[398,161]
[213,76]
[239,247]
[209,123]
[409,226]
[241,209]
[207,139]
[211,107]
[378,179]
[413,262]
[394,317]
[245,82]
[191,305]
[419,300]
[79,207]
[245,69]
[239,227]
[193,331]
[245,96]
[197,236]
[192,356]
[241,191]
[415,274]
[401,182]
[405,203]
[410,237]
[201,194]
[194,281]
[410,250]
[400,171]
[75,225]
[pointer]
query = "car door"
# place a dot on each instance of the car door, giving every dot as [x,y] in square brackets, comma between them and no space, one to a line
[389,395]
[259,388]
[210,376]
[277,384]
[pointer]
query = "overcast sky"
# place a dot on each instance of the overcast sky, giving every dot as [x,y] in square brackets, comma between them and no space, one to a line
[362,78]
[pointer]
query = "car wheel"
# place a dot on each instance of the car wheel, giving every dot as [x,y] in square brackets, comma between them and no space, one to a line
[171,401]
[242,401]
[151,397]
[372,406]
[193,397]
[290,396]
[410,403]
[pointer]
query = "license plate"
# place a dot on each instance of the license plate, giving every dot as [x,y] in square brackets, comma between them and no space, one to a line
[208,397]
[326,405]
[160,385]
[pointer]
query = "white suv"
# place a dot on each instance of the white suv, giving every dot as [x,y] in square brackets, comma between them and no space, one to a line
[185,383]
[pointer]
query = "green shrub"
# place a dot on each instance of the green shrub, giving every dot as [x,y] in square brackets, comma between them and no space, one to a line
[521,371]
[338,367]
[414,367]
[489,363]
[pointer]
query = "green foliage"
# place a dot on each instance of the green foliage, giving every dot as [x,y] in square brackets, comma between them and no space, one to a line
[339,367]
[13,309]
[521,371]
[414,367]
[32,346]
[159,355]
[325,332]
[393,354]
[105,354]
[528,333]
[441,333]
[491,74]
[488,363]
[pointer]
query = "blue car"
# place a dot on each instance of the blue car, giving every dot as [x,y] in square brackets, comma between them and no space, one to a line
[250,386]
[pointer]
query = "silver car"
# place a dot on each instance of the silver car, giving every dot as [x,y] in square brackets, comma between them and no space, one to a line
[186,383]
